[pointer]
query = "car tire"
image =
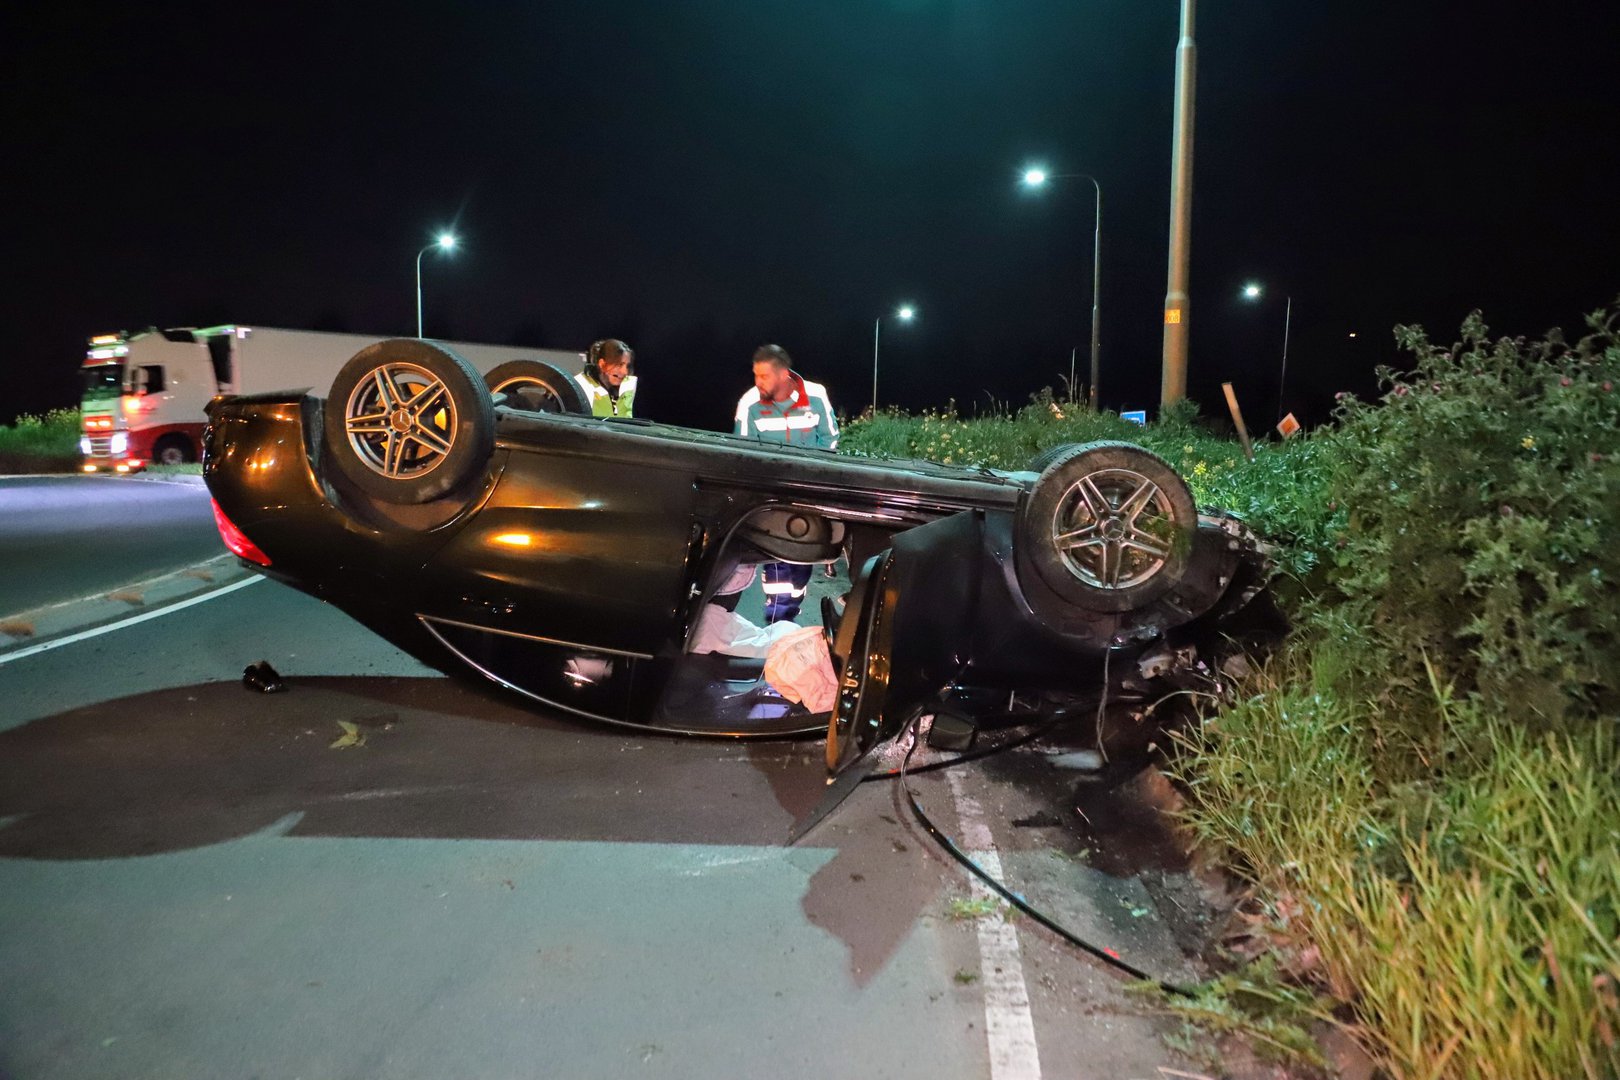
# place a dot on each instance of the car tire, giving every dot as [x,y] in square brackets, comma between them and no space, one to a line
[1107,526]
[537,386]
[173,450]
[408,422]
[1041,460]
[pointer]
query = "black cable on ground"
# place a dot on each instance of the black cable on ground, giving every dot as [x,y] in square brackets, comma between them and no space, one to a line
[1107,956]
[972,755]
[1040,728]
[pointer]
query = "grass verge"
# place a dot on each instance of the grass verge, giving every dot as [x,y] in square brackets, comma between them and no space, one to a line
[34,444]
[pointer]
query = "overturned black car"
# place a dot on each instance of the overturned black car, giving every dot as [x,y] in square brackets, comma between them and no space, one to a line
[570,559]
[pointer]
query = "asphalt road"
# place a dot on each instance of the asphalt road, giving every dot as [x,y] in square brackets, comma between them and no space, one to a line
[63,537]
[194,881]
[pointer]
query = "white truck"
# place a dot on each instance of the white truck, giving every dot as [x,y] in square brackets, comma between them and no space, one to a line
[145,392]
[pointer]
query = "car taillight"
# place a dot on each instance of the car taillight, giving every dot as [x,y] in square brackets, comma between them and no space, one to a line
[237,540]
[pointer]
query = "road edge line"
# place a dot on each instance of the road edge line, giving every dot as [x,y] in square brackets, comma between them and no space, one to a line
[1009,1025]
[107,628]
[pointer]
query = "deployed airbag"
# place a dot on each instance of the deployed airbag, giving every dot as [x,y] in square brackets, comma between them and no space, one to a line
[729,634]
[800,669]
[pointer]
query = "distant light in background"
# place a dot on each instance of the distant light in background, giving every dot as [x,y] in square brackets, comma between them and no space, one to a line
[1035,177]
[906,312]
[1252,291]
[447,241]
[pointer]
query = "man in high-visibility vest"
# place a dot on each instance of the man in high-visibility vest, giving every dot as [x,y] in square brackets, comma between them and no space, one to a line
[784,407]
[609,388]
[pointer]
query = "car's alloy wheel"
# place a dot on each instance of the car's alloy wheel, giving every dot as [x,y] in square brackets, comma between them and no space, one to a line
[1114,529]
[400,421]
[1108,526]
[408,422]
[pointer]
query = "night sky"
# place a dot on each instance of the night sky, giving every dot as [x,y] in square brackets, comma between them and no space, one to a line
[699,177]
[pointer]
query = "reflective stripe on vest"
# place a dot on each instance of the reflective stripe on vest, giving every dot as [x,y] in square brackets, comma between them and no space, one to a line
[791,422]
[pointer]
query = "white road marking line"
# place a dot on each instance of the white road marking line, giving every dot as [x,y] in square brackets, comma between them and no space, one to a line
[97,631]
[1008,1023]
[134,586]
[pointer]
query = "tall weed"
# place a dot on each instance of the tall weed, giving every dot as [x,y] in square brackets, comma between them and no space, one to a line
[1471,920]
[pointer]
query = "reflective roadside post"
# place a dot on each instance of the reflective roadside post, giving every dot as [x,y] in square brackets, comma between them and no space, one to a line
[905,314]
[1036,177]
[445,242]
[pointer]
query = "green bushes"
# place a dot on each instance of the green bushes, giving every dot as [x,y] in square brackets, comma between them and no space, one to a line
[1484,509]
[1423,784]
[41,444]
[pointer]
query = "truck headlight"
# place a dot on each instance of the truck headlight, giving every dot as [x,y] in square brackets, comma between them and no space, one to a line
[84,445]
[120,442]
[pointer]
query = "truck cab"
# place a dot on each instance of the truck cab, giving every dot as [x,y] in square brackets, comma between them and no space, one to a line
[143,399]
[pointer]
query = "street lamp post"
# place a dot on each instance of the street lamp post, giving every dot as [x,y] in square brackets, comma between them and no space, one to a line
[1173,377]
[444,242]
[1254,291]
[906,313]
[1037,177]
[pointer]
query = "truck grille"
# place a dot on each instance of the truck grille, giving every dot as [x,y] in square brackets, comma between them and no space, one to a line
[100,446]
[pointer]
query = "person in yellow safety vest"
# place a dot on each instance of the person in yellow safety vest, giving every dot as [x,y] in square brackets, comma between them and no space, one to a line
[608,385]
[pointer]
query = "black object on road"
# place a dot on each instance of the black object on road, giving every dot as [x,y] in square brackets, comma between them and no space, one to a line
[263,678]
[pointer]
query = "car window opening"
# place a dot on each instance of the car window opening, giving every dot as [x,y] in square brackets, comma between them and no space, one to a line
[781,571]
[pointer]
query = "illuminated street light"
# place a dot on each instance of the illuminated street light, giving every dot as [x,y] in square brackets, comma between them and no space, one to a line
[445,242]
[905,314]
[1254,291]
[1035,177]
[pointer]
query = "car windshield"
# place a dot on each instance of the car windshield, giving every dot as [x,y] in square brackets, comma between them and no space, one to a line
[102,380]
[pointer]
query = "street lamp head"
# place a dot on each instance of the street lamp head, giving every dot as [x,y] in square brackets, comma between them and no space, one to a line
[906,312]
[1035,177]
[1252,291]
[447,241]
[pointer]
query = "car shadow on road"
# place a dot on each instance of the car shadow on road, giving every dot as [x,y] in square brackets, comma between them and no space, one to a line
[428,758]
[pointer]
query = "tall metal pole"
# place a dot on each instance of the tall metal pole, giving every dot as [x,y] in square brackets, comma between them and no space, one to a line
[1173,383]
[1288,318]
[1096,303]
[877,326]
[419,255]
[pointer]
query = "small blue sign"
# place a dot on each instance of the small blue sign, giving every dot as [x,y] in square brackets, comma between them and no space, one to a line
[1135,416]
